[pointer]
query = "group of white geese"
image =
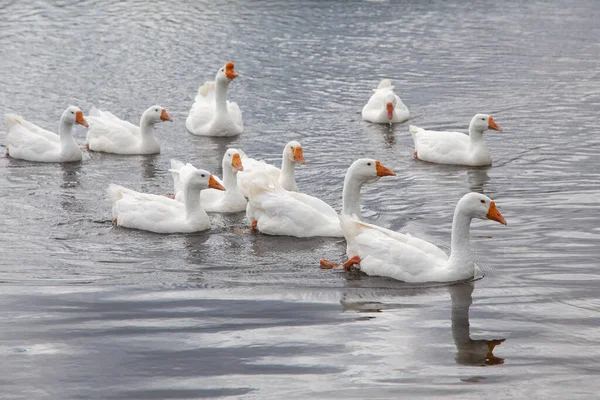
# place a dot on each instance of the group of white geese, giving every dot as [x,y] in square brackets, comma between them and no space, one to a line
[269,195]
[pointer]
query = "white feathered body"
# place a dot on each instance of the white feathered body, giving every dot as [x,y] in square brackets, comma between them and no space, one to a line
[212,200]
[286,213]
[205,119]
[375,110]
[154,213]
[454,148]
[384,252]
[110,134]
[28,141]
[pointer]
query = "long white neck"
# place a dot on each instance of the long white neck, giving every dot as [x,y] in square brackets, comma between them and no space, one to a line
[221,97]
[229,178]
[191,199]
[146,127]
[460,253]
[475,134]
[351,196]
[65,131]
[287,179]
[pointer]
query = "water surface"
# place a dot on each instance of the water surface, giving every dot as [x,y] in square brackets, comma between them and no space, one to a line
[92,311]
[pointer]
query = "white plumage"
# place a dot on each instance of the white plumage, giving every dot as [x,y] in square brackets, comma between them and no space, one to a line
[213,200]
[212,114]
[384,106]
[28,141]
[109,134]
[383,252]
[454,147]
[160,214]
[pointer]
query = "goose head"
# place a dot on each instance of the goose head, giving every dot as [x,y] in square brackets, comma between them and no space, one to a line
[483,122]
[155,114]
[233,161]
[293,152]
[476,205]
[390,103]
[226,73]
[368,170]
[201,179]
[73,115]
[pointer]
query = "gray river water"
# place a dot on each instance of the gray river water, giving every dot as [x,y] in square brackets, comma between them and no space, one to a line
[91,311]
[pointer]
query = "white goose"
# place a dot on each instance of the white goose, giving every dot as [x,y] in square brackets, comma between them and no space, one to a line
[160,214]
[383,252]
[292,154]
[212,114]
[275,211]
[110,134]
[454,147]
[229,201]
[28,141]
[384,106]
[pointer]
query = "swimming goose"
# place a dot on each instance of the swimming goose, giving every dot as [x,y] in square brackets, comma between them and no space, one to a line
[28,141]
[160,214]
[384,106]
[382,252]
[455,147]
[110,134]
[212,114]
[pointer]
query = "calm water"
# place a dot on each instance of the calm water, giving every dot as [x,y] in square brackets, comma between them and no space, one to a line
[91,311]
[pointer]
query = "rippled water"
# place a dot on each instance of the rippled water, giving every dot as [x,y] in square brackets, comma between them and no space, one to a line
[93,311]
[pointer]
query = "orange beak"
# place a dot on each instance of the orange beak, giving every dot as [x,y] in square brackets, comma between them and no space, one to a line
[383,171]
[79,119]
[390,110]
[164,116]
[494,214]
[213,184]
[236,161]
[493,125]
[230,72]
[298,155]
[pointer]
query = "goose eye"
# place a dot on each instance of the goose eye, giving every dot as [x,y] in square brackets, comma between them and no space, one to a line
[483,119]
[369,164]
[482,201]
[72,112]
[202,175]
[156,110]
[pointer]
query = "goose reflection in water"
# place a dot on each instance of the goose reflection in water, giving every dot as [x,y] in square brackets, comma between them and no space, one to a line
[477,352]
[70,181]
[148,164]
[469,351]
[477,178]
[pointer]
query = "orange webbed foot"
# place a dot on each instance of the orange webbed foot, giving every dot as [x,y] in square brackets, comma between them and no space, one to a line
[326,264]
[254,224]
[115,220]
[170,196]
[352,261]
[416,155]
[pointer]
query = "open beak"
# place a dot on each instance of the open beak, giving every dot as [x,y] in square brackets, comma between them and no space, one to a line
[493,125]
[298,155]
[383,171]
[230,72]
[80,120]
[213,184]
[390,110]
[236,162]
[164,116]
[494,214]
